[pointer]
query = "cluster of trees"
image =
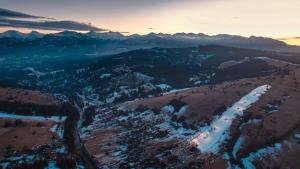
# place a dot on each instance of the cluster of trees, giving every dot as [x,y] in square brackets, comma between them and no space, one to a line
[15,123]
[33,109]
[88,116]
[35,165]
[177,104]
[62,162]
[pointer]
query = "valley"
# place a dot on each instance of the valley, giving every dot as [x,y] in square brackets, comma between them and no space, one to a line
[206,106]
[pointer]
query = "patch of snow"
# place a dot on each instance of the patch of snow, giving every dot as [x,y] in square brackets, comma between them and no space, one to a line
[79,166]
[61,97]
[86,131]
[270,108]
[205,56]
[38,74]
[146,115]
[176,130]
[176,90]
[14,116]
[80,70]
[91,54]
[105,75]
[89,97]
[198,82]
[142,77]
[164,122]
[56,71]
[252,121]
[191,79]
[247,162]
[34,72]
[182,110]
[52,165]
[201,82]
[10,162]
[112,97]
[58,130]
[61,150]
[226,156]
[264,58]
[88,89]
[237,146]
[229,165]
[276,60]
[4,165]
[164,86]
[21,158]
[209,139]
[120,151]
[147,87]
[168,109]
[297,136]
[232,63]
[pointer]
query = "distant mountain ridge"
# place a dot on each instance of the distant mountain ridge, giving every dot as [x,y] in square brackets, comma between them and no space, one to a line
[161,40]
[19,35]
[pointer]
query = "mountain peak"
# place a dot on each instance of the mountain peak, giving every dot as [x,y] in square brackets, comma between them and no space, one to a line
[12,34]
[105,35]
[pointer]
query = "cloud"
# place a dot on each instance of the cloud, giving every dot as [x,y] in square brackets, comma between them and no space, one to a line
[289,38]
[48,25]
[13,14]
[15,19]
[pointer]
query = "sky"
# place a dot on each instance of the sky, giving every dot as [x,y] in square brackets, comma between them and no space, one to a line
[270,18]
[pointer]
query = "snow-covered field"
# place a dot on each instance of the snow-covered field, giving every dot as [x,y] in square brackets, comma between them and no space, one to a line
[36,73]
[275,60]
[211,137]
[232,63]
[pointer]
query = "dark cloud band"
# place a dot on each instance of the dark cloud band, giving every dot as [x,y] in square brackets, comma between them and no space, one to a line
[15,19]
[48,25]
[13,14]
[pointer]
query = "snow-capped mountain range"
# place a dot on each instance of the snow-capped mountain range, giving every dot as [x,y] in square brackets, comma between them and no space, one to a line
[163,40]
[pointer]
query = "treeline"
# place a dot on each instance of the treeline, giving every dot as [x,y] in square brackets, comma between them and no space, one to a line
[70,126]
[34,109]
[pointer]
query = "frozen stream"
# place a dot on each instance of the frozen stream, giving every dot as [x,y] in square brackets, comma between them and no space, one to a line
[211,137]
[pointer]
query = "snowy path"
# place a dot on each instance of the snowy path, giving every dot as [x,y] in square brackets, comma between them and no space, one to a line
[13,116]
[211,137]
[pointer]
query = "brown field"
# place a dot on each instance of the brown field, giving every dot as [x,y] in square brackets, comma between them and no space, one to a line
[25,134]
[26,97]
[287,157]
[100,145]
[278,125]
[202,101]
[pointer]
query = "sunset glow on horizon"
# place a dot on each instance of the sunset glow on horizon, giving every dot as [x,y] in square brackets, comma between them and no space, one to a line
[291,40]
